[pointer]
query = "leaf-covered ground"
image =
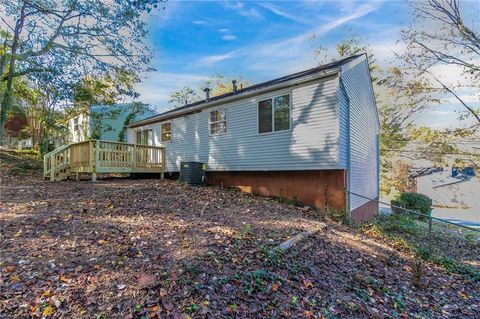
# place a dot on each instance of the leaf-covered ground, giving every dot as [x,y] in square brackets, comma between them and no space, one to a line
[142,249]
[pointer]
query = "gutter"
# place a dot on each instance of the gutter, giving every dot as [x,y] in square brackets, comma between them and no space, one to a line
[236,97]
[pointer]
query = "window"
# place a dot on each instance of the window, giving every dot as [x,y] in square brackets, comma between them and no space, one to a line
[138,138]
[265,116]
[143,137]
[76,126]
[166,129]
[218,122]
[274,114]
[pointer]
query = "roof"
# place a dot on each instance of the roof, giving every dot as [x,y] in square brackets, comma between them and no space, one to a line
[120,107]
[190,107]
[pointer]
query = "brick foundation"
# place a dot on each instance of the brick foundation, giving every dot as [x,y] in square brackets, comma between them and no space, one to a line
[365,212]
[320,189]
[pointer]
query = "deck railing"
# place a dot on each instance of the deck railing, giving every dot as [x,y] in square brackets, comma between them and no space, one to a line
[96,156]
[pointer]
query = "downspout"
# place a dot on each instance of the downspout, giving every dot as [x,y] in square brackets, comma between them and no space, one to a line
[347,173]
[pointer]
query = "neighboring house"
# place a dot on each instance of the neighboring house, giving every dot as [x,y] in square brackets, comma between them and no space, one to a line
[25,143]
[452,188]
[106,122]
[308,136]
[13,128]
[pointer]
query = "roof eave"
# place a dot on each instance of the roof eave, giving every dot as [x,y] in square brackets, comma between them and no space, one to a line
[238,96]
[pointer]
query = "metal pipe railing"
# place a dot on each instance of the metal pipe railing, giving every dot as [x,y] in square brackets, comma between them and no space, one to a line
[415,212]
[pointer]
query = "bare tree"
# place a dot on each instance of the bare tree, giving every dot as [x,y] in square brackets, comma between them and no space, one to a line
[183,97]
[443,34]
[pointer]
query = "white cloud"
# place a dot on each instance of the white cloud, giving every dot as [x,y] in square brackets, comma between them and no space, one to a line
[295,48]
[224,30]
[199,22]
[155,89]
[217,58]
[242,10]
[229,37]
[282,13]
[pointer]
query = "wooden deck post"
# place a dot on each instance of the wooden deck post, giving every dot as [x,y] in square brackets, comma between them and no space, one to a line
[94,147]
[45,167]
[77,176]
[162,151]
[134,156]
[53,165]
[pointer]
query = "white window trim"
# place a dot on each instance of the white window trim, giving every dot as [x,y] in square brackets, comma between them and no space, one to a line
[161,133]
[273,114]
[210,122]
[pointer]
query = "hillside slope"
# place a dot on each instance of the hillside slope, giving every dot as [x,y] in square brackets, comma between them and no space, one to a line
[144,249]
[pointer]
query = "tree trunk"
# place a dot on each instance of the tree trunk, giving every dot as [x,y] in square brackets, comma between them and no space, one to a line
[7,97]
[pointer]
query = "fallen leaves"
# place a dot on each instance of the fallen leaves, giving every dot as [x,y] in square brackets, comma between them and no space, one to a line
[274,286]
[146,280]
[10,268]
[48,311]
[307,283]
[139,249]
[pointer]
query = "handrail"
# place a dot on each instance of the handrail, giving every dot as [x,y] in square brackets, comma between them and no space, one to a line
[100,156]
[131,144]
[57,150]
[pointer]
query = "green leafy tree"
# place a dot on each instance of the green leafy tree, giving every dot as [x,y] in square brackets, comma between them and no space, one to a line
[220,84]
[350,46]
[37,101]
[60,41]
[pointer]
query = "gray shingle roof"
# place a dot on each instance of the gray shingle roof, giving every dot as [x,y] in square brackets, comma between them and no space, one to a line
[259,86]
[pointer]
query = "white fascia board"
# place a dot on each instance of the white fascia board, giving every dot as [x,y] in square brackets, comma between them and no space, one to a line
[238,96]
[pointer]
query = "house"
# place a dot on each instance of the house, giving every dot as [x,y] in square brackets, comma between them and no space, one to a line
[310,136]
[26,143]
[14,129]
[106,122]
[451,188]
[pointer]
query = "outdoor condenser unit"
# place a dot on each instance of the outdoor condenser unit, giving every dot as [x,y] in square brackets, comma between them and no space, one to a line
[192,173]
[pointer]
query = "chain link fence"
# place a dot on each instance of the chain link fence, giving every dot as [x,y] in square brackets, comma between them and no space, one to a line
[452,245]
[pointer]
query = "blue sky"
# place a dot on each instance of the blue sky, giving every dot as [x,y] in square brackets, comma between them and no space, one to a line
[263,40]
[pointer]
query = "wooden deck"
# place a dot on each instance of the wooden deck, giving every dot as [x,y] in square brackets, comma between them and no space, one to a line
[95,156]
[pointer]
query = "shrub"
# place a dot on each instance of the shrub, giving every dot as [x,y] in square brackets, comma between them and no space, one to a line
[414,201]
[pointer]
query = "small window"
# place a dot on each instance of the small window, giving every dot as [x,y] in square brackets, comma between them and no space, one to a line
[166,129]
[218,122]
[143,137]
[274,114]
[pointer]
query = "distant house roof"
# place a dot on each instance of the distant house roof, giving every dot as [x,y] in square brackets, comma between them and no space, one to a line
[423,171]
[193,106]
[122,107]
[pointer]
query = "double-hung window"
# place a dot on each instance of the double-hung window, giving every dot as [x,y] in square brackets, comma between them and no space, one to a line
[143,137]
[274,114]
[166,130]
[218,121]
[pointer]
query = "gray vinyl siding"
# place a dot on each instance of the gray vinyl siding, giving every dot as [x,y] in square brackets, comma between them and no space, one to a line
[343,126]
[364,128]
[311,142]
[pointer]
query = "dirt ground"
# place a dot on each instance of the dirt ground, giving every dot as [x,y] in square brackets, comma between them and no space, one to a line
[125,248]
